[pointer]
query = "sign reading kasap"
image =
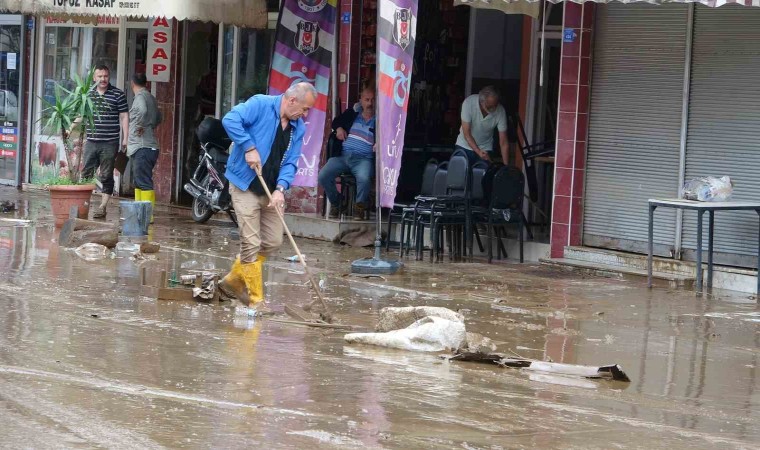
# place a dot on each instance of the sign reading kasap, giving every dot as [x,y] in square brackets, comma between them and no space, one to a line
[159,49]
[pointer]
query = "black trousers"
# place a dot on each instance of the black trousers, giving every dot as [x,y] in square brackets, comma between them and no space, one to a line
[143,162]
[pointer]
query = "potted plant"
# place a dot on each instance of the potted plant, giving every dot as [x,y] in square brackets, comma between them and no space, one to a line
[71,112]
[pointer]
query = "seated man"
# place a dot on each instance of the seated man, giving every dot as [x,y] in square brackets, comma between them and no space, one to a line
[355,129]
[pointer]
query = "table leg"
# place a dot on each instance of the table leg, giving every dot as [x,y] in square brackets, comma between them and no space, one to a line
[757,294]
[711,227]
[699,251]
[650,245]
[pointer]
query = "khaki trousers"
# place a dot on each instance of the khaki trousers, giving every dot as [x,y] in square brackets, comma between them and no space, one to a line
[260,226]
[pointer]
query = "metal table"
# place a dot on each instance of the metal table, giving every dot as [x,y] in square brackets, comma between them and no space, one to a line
[700,208]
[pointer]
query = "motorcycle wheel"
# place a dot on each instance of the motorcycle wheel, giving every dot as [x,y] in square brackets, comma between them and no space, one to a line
[201,212]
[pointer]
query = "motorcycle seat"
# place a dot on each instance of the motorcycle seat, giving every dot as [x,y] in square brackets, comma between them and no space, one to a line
[218,155]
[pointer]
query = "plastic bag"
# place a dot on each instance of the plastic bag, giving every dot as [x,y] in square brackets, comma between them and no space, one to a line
[708,189]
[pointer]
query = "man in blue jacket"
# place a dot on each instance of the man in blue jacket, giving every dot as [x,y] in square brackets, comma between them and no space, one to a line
[267,132]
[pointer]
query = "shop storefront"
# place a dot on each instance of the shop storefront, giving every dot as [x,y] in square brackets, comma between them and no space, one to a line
[11,108]
[210,66]
[677,99]
[458,50]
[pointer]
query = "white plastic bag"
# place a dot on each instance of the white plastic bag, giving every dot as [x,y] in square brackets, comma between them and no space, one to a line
[708,189]
[429,334]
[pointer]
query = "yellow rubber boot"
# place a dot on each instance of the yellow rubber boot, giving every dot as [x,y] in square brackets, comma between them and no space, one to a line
[138,195]
[254,280]
[149,196]
[233,284]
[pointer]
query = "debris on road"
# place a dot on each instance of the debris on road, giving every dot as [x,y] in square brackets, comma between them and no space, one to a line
[7,206]
[429,334]
[76,232]
[92,252]
[396,318]
[294,258]
[612,371]
[150,247]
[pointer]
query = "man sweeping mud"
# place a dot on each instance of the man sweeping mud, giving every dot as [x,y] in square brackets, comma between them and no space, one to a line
[267,132]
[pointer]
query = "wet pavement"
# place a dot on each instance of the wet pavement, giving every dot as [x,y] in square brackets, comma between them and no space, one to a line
[85,361]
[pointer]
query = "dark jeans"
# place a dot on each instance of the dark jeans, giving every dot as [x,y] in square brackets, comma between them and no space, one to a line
[143,162]
[361,167]
[100,155]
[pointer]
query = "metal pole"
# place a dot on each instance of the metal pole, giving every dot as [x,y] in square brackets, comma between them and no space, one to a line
[684,127]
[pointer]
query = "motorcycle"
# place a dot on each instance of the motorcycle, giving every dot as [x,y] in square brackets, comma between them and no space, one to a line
[208,186]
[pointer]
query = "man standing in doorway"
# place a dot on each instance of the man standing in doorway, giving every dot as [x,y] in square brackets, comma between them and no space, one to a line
[267,131]
[142,145]
[355,129]
[481,113]
[111,122]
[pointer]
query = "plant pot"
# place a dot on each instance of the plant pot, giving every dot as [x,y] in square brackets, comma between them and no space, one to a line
[62,198]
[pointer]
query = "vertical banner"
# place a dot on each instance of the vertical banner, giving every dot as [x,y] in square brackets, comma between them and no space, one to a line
[159,64]
[396,31]
[303,50]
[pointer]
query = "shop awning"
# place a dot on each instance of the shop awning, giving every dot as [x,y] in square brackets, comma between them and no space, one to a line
[533,7]
[246,13]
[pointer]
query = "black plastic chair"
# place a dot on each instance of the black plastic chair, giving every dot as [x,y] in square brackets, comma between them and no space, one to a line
[504,208]
[397,212]
[450,211]
[410,215]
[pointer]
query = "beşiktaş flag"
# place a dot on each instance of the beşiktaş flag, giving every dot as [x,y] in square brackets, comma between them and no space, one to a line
[303,49]
[396,30]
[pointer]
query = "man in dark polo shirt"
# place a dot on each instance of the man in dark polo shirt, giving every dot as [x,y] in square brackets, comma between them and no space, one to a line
[109,135]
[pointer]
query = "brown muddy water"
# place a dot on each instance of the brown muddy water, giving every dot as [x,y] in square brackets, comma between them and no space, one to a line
[85,361]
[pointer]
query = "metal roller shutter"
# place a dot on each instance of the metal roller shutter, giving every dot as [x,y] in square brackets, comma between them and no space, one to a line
[635,122]
[723,137]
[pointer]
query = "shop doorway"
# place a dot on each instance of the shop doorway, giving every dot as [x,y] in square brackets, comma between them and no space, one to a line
[201,50]
[10,92]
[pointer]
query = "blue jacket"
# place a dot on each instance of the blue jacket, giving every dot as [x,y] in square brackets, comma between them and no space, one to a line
[253,124]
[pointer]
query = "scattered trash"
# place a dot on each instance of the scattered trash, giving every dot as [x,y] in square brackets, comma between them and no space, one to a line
[612,371]
[244,311]
[295,258]
[192,264]
[7,206]
[94,316]
[708,189]
[127,247]
[322,281]
[477,343]
[92,252]
[150,247]
[429,334]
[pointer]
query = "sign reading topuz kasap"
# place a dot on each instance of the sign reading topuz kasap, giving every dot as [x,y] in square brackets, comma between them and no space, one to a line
[159,49]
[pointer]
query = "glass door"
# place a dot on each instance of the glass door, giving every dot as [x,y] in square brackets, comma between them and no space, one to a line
[10,93]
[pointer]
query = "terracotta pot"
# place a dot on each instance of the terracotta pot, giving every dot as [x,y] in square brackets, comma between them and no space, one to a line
[62,198]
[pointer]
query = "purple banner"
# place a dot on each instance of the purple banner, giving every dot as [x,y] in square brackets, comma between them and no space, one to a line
[303,51]
[396,30]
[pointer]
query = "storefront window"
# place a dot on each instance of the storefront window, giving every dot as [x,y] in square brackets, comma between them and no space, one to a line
[229,48]
[68,50]
[253,66]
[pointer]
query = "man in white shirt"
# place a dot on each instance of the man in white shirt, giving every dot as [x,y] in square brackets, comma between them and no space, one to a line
[481,113]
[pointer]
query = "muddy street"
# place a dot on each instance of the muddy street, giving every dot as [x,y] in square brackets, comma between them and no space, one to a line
[86,361]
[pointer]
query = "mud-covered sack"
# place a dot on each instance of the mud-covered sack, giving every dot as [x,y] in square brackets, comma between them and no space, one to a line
[429,334]
[708,189]
[397,317]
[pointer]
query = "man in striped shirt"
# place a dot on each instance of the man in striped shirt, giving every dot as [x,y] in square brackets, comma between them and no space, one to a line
[111,130]
[355,128]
